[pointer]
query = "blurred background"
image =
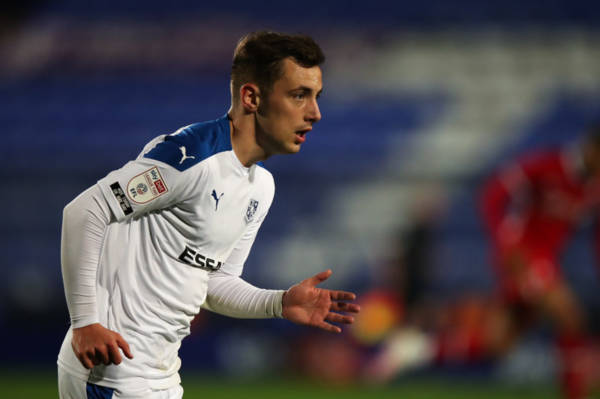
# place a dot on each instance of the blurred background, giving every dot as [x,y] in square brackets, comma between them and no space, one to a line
[422,101]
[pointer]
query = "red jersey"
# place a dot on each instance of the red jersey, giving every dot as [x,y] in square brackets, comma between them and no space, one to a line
[533,207]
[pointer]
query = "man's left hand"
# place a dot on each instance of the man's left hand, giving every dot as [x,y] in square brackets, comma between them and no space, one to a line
[306,304]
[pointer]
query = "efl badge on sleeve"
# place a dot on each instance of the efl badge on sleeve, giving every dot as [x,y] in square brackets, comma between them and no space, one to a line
[121,198]
[252,207]
[146,186]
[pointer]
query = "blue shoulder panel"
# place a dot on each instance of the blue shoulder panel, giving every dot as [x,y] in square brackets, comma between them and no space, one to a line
[193,143]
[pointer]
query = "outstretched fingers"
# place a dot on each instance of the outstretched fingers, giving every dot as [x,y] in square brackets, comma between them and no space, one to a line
[339,304]
[304,303]
[339,318]
[328,327]
[345,307]
[341,295]
[319,278]
[334,318]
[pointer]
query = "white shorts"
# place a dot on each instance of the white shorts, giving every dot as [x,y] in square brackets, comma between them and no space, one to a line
[71,387]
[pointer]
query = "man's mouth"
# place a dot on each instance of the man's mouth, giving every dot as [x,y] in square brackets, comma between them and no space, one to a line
[301,135]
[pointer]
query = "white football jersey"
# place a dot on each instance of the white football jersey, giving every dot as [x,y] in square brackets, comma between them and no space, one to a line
[185,207]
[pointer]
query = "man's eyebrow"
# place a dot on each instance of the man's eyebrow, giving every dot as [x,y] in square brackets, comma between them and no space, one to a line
[306,89]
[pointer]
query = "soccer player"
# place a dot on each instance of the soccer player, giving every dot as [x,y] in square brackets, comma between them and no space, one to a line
[531,209]
[152,243]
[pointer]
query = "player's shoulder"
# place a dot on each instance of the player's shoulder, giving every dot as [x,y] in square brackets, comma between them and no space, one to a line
[265,177]
[265,173]
[192,144]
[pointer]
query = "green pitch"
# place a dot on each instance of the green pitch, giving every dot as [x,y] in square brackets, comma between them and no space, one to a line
[33,385]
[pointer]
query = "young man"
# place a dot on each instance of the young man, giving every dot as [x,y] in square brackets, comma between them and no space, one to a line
[168,233]
[531,209]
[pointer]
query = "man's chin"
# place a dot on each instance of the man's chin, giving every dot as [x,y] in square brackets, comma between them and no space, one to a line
[294,148]
[291,148]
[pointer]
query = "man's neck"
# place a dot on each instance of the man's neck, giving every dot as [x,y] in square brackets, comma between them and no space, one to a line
[243,138]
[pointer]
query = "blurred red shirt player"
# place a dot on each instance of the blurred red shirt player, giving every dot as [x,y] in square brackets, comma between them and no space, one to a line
[531,208]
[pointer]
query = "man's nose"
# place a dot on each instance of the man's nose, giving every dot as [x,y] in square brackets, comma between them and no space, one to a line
[314,113]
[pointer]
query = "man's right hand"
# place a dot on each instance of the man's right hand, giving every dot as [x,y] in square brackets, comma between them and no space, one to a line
[94,344]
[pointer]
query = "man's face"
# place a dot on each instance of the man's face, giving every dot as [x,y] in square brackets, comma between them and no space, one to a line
[290,110]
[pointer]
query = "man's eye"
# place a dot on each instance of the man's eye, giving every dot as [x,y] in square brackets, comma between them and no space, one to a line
[299,96]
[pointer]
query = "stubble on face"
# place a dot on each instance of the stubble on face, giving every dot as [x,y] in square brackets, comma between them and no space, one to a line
[290,109]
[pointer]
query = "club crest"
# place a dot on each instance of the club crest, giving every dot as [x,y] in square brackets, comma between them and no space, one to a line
[252,207]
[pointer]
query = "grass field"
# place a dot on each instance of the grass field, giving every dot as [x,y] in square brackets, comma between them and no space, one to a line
[33,385]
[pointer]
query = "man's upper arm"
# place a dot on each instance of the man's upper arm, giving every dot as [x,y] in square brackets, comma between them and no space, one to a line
[156,179]
[234,264]
[141,186]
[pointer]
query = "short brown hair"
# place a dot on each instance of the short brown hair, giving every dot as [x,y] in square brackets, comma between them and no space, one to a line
[258,58]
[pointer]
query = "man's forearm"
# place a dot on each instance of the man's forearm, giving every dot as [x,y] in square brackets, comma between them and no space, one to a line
[231,296]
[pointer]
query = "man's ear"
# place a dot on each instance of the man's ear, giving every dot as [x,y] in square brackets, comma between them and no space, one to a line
[250,97]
